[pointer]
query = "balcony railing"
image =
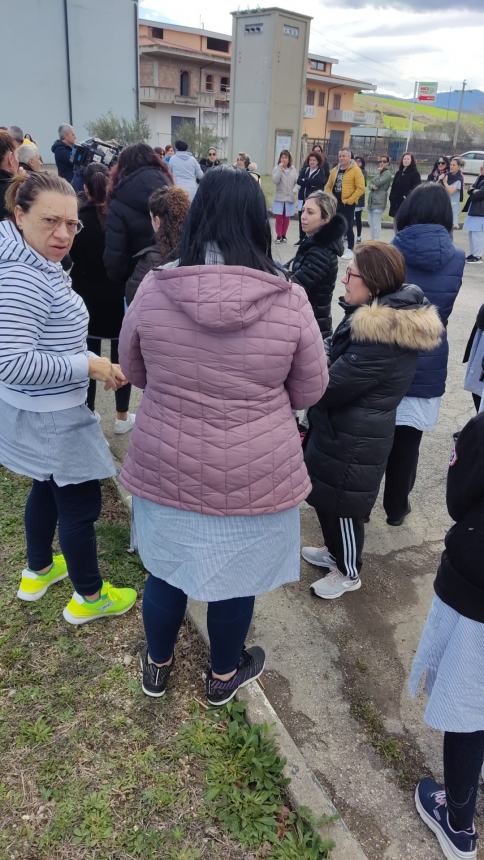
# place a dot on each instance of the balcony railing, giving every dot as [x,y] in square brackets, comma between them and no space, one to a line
[353,117]
[168,95]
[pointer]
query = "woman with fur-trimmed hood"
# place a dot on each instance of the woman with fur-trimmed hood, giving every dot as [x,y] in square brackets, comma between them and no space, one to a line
[372,355]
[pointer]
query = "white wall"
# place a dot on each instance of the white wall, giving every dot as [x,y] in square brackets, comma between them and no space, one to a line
[103,62]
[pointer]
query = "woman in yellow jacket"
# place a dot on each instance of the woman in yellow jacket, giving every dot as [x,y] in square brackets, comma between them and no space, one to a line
[347,184]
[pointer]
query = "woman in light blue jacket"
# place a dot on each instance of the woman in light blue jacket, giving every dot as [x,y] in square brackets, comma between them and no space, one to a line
[186,170]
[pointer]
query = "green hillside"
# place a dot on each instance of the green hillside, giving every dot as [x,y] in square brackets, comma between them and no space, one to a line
[396,112]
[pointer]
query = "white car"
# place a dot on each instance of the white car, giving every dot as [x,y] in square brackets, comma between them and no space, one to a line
[473,160]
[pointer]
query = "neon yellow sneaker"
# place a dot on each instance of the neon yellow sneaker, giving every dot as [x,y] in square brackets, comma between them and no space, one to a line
[34,585]
[112,601]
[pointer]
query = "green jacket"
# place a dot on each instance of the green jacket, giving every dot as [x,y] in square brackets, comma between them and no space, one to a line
[379,185]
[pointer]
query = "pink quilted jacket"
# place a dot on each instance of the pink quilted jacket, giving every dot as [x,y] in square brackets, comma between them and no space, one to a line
[223,353]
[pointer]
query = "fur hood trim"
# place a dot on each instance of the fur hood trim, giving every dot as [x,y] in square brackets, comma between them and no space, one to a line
[418,328]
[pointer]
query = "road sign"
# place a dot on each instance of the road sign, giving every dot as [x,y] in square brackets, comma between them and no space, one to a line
[427,91]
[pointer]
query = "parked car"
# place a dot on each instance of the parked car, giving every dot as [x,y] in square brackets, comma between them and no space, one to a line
[473,160]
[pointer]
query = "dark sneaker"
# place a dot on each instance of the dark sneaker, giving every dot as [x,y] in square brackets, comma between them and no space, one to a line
[398,521]
[155,678]
[473,259]
[251,666]
[432,808]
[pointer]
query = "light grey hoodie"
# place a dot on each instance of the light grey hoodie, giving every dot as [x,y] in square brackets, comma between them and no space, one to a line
[186,170]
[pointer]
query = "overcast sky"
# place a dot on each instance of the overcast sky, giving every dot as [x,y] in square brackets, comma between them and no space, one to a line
[386,42]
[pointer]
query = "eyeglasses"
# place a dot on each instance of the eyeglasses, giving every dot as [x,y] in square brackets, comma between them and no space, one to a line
[441,162]
[382,161]
[350,274]
[53,224]
[212,153]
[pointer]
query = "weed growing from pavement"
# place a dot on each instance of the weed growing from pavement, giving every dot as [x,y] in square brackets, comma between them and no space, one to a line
[93,769]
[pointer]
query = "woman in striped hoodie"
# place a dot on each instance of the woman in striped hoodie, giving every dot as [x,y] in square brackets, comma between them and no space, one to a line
[47,432]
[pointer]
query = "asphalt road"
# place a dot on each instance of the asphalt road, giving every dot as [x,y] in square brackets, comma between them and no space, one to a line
[337,670]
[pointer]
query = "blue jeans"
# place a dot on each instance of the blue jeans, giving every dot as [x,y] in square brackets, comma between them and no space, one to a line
[74,509]
[374,220]
[228,622]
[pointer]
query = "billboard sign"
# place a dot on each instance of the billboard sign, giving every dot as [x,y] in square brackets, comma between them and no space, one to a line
[427,91]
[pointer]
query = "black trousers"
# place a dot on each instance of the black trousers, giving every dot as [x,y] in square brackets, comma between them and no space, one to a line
[359,225]
[401,471]
[348,212]
[344,538]
[463,756]
[301,231]
[123,394]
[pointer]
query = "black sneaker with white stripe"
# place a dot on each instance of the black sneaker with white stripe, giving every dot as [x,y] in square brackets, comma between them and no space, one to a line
[155,678]
[251,666]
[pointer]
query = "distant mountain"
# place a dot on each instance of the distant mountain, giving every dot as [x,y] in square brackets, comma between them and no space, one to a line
[473,101]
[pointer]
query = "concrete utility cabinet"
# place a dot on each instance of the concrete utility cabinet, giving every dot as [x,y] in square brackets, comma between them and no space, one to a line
[268,84]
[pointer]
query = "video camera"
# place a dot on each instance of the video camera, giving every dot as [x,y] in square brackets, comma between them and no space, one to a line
[93,149]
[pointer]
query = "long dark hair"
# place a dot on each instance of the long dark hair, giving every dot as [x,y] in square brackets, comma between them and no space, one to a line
[132,158]
[411,166]
[289,157]
[96,179]
[435,168]
[228,211]
[427,204]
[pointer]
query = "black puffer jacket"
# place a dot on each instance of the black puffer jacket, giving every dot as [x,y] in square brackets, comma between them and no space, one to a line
[309,183]
[128,225]
[373,355]
[315,267]
[145,260]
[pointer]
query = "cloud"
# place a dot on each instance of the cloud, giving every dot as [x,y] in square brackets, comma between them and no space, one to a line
[417,5]
[414,27]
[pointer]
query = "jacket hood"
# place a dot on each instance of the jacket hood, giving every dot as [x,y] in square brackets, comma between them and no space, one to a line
[425,246]
[331,234]
[404,319]
[221,298]
[184,156]
[59,144]
[14,249]
[135,189]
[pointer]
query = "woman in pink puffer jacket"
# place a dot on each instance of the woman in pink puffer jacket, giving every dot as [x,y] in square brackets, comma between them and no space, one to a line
[224,348]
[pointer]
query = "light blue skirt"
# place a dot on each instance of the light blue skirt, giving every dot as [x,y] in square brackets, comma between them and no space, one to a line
[278,208]
[473,224]
[217,558]
[450,655]
[67,445]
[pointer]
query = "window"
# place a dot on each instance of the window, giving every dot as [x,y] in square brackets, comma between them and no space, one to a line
[253,28]
[157,32]
[209,83]
[309,97]
[321,99]
[336,102]
[317,64]
[218,45]
[184,84]
[224,85]
[291,31]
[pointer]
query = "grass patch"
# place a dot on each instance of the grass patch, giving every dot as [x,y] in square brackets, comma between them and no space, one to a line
[94,770]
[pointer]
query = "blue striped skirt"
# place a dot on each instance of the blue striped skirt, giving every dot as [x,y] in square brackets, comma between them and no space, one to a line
[217,558]
[450,655]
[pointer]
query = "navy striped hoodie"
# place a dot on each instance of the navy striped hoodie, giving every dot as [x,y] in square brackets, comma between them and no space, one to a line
[43,329]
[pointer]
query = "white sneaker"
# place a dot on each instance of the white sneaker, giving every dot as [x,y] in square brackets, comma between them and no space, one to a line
[334,585]
[121,426]
[347,255]
[319,556]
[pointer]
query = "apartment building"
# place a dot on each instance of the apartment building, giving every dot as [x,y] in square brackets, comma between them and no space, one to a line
[185,76]
[329,112]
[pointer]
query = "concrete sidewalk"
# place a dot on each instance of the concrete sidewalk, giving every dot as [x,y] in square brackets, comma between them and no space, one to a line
[337,671]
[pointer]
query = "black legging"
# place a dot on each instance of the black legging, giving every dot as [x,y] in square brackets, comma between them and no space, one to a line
[123,394]
[477,401]
[401,471]
[463,756]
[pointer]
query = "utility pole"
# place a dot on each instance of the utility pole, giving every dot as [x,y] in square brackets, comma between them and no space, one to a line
[410,123]
[457,124]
